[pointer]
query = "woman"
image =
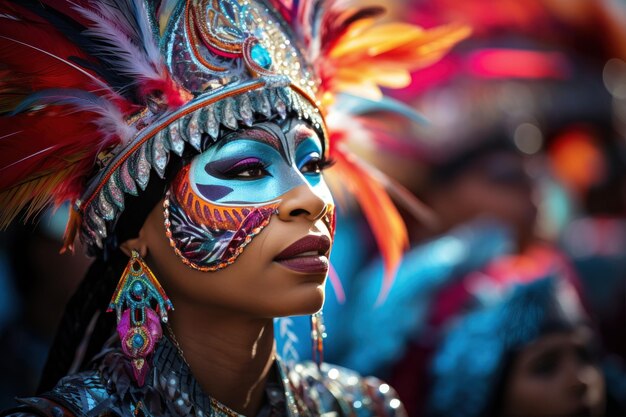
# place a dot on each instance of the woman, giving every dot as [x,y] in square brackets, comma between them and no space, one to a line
[224,100]
[531,353]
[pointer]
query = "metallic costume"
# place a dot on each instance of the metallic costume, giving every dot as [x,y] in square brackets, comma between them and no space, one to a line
[171,390]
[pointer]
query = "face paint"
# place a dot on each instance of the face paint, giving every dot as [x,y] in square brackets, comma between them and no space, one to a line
[227,194]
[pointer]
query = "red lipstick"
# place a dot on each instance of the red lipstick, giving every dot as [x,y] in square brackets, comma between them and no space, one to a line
[308,255]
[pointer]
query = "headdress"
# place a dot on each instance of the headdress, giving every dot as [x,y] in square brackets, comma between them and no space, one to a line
[95,96]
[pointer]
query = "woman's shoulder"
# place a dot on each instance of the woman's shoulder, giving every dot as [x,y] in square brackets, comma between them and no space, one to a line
[75,395]
[337,386]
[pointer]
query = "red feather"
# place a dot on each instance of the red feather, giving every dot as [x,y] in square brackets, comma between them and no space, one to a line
[38,56]
[44,160]
[46,153]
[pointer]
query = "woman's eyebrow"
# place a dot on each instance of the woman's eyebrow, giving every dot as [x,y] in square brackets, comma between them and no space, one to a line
[258,135]
[302,133]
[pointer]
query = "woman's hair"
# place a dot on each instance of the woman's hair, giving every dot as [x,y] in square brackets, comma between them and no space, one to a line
[86,326]
[496,403]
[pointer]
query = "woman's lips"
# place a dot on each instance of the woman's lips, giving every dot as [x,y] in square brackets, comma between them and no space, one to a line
[307,255]
[306,264]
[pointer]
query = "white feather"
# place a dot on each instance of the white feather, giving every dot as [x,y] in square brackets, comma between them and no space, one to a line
[110,121]
[124,28]
[152,51]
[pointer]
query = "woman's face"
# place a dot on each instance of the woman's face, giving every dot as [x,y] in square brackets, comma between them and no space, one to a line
[248,224]
[557,375]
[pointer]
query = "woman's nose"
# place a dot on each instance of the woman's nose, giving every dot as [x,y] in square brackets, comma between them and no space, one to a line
[301,202]
[580,377]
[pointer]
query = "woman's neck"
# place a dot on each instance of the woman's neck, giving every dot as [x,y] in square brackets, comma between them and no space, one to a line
[229,355]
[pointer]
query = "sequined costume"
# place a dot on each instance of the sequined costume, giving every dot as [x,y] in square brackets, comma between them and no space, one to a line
[171,390]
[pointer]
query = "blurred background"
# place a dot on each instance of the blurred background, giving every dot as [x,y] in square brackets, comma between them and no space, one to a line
[511,299]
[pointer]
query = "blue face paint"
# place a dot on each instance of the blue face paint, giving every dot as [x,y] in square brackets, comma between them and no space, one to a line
[265,178]
[228,194]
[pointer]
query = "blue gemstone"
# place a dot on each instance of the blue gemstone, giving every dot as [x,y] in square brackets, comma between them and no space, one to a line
[138,289]
[138,341]
[260,56]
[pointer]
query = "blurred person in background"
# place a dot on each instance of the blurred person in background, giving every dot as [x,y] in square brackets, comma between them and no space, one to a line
[529,351]
[592,172]
[472,172]
[504,97]
[590,164]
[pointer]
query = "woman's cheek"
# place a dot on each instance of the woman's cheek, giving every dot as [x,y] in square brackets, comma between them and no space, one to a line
[208,236]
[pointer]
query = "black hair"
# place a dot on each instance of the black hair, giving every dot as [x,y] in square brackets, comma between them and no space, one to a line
[495,405]
[87,306]
[85,325]
[19,237]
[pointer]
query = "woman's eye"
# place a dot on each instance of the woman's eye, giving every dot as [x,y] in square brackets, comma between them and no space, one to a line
[247,169]
[252,172]
[545,366]
[315,165]
[587,355]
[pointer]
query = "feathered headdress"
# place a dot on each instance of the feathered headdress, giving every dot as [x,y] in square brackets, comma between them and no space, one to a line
[94,95]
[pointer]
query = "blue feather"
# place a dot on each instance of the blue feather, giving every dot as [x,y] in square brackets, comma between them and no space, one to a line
[75,32]
[425,269]
[362,106]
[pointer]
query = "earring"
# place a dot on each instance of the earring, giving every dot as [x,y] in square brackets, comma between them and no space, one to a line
[138,325]
[318,334]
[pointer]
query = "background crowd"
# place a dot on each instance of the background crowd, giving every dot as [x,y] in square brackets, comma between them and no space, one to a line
[511,297]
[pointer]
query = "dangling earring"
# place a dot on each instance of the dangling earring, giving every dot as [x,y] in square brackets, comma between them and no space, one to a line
[318,334]
[138,325]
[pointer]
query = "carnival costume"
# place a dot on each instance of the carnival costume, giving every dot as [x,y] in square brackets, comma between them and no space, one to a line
[303,390]
[424,271]
[97,97]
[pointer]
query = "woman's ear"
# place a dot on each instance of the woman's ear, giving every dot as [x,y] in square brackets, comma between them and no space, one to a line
[139,244]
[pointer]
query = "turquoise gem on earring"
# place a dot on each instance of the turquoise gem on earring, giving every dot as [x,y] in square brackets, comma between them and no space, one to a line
[138,341]
[260,56]
[138,290]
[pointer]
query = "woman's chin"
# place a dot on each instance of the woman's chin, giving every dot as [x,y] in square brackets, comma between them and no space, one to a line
[308,299]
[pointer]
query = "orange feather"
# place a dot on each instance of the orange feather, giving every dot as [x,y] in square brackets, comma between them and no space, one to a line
[382,216]
[368,56]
